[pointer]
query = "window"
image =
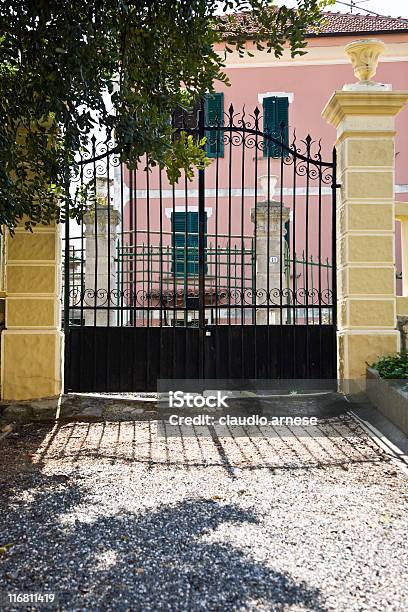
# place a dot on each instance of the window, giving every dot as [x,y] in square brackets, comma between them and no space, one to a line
[185,242]
[214,115]
[188,120]
[275,112]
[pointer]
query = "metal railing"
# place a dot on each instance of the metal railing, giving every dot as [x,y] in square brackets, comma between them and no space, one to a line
[148,269]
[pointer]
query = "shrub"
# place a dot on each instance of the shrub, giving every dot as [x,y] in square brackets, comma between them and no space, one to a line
[392,367]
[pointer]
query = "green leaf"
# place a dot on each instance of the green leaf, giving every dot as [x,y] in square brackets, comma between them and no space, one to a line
[68,67]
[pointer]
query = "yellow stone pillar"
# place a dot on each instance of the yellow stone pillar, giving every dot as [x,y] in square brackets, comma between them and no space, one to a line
[364,117]
[401,214]
[31,344]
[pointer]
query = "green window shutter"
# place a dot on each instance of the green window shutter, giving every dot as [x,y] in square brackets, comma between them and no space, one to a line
[282,118]
[269,115]
[186,227]
[178,222]
[214,115]
[192,242]
[276,113]
[287,234]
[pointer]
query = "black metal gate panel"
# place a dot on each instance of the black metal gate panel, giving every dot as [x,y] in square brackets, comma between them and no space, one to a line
[226,274]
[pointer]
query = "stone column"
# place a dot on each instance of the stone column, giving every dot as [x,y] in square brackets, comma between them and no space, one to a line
[401,214]
[270,218]
[364,116]
[31,344]
[100,253]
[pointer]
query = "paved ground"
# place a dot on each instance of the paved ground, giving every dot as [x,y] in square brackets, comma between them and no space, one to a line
[112,518]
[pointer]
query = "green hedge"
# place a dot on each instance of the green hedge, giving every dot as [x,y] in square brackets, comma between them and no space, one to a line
[392,367]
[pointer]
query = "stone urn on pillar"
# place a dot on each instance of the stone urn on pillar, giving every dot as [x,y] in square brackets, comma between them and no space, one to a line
[269,218]
[364,56]
[100,252]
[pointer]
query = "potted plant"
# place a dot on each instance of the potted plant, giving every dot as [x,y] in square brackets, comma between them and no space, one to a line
[387,388]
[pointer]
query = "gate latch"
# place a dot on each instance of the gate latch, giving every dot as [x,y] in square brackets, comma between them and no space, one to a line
[208,333]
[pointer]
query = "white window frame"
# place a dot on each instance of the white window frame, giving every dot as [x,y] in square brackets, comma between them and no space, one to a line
[169,211]
[276,94]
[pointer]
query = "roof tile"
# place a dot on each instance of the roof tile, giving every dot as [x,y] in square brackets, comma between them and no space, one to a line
[344,23]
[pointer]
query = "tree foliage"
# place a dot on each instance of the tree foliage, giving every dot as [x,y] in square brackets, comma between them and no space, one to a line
[69,65]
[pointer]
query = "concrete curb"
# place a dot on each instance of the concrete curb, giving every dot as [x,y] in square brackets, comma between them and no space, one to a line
[78,407]
[127,407]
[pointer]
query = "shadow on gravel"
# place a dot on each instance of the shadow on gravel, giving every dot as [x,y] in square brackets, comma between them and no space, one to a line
[335,443]
[168,558]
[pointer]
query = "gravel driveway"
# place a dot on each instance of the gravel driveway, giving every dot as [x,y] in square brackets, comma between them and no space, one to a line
[112,518]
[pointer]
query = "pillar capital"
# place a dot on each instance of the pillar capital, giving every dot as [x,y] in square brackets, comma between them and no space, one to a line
[106,219]
[268,213]
[365,110]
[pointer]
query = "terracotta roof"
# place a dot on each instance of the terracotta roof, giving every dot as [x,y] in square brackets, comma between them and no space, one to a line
[344,23]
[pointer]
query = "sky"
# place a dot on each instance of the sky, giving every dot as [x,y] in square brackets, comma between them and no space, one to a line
[395,8]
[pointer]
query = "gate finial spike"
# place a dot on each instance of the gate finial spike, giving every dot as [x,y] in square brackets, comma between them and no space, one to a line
[243,116]
[231,115]
[294,139]
[256,115]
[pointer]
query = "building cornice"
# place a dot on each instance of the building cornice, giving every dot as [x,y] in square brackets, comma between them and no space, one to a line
[317,55]
[353,103]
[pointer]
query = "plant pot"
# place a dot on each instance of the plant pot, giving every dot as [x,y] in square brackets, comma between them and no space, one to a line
[390,397]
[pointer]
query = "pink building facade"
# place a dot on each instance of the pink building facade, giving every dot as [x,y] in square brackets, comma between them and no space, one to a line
[152,206]
[242,257]
[309,80]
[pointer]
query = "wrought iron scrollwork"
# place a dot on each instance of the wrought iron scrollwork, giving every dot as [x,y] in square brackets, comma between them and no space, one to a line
[235,296]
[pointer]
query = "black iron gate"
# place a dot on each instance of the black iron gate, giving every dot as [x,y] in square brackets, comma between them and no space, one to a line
[228,275]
